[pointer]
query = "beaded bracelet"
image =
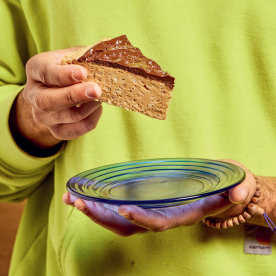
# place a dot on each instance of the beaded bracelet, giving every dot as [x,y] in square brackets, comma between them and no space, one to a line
[252,209]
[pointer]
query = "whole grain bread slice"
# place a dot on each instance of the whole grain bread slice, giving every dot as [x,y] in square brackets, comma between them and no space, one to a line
[127,78]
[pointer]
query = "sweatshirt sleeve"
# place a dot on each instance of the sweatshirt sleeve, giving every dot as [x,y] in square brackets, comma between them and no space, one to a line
[20,173]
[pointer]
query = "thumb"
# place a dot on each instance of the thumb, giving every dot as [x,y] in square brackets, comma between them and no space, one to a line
[242,193]
[239,194]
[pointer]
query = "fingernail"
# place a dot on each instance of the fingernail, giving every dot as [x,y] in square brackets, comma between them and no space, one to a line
[77,75]
[244,195]
[65,198]
[80,205]
[93,90]
[82,209]
[124,214]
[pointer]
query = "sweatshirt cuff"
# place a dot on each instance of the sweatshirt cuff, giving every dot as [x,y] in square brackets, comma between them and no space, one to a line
[11,155]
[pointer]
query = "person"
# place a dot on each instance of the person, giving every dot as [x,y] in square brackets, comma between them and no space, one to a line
[223,106]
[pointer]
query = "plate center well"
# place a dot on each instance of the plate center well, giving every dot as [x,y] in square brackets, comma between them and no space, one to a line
[158,187]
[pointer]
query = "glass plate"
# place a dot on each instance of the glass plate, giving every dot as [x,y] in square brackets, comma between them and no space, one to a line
[155,183]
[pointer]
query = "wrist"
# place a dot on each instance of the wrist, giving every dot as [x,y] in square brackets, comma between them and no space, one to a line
[261,208]
[30,136]
[266,201]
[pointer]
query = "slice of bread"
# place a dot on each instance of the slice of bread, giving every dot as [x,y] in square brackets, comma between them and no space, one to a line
[127,78]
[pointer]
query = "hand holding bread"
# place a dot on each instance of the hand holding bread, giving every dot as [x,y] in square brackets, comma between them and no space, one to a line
[64,90]
[46,111]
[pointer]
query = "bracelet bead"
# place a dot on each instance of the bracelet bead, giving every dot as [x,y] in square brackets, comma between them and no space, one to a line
[252,209]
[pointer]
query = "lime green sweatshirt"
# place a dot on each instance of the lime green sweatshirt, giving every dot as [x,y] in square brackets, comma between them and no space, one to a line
[222,54]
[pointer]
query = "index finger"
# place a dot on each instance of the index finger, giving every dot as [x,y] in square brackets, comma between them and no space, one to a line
[52,99]
[47,69]
[103,216]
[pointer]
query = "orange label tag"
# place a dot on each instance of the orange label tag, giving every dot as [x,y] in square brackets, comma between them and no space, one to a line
[258,240]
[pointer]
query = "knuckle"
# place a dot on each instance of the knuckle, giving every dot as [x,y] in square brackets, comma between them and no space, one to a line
[30,92]
[42,103]
[76,116]
[43,75]
[57,131]
[66,116]
[59,79]
[57,117]
[160,227]
[57,135]
[29,65]
[71,97]
[26,92]
[88,125]
[68,133]
[73,134]
[32,63]
[68,74]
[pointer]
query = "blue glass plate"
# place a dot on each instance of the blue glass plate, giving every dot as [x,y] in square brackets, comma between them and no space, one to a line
[155,183]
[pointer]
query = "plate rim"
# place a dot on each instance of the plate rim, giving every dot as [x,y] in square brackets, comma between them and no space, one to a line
[144,203]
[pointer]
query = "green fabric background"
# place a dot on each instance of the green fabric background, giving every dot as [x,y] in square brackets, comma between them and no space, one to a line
[222,54]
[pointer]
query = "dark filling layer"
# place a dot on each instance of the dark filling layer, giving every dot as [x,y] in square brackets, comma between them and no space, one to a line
[118,52]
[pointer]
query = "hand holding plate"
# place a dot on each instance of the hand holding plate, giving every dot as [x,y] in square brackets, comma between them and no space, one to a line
[131,219]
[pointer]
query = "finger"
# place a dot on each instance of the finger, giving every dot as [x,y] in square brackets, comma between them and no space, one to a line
[47,69]
[53,99]
[72,131]
[150,219]
[69,199]
[162,219]
[69,115]
[107,218]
